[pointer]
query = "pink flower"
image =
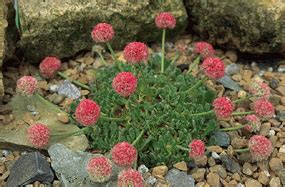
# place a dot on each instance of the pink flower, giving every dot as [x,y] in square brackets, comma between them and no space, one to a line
[223,107]
[165,20]
[259,89]
[49,66]
[124,154]
[125,83]
[87,112]
[130,177]
[135,52]
[260,147]
[27,85]
[254,123]
[102,32]
[99,169]
[38,135]
[213,67]
[197,149]
[263,108]
[204,49]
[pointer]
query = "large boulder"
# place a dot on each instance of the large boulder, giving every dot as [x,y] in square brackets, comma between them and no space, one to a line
[254,26]
[63,27]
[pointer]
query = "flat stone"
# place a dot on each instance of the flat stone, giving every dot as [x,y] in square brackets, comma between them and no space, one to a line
[159,170]
[29,168]
[276,164]
[213,180]
[263,178]
[69,90]
[219,170]
[178,178]
[227,82]
[181,166]
[220,138]
[232,69]
[275,182]
[199,174]
[231,165]
[247,168]
[252,183]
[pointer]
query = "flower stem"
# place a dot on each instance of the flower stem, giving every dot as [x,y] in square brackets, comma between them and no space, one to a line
[102,58]
[197,84]
[77,133]
[74,81]
[242,113]
[195,63]
[183,148]
[162,50]
[114,56]
[202,114]
[138,138]
[112,119]
[242,99]
[233,128]
[241,150]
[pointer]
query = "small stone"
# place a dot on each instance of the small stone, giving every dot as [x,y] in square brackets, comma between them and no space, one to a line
[281,115]
[161,183]
[215,155]
[281,90]
[179,178]
[211,162]
[69,90]
[159,171]
[53,88]
[282,149]
[247,75]
[213,180]
[227,82]
[232,69]
[199,174]
[220,138]
[181,166]
[201,161]
[236,177]
[42,85]
[276,164]
[84,92]
[264,129]
[271,132]
[263,178]
[214,148]
[232,55]
[142,169]
[273,83]
[281,175]
[241,94]
[151,180]
[239,143]
[62,117]
[219,170]
[247,168]
[275,182]
[58,99]
[252,183]
[202,184]
[237,77]
[56,184]
[230,164]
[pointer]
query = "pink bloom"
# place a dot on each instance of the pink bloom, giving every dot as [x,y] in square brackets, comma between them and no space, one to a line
[38,135]
[99,169]
[253,123]
[49,66]
[223,107]
[260,147]
[102,32]
[27,85]
[197,149]
[125,83]
[135,52]
[213,67]
[259,89]
[124,154]
[204,49]
[87,112]
[130,177]
[263,108]
[165,20]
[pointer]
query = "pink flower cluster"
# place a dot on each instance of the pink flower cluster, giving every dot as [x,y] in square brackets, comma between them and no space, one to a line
[130,177]
[165,20]
[213,67]
[223,107]
[38,135]
[253,123]
[135,52]
[260,147]
[49,66]
[204,49]
[197,149]
[99,169]
[27,85]
[125,84]
[102,32]
[87,112]
[259,89]
[263,108]
[124,154]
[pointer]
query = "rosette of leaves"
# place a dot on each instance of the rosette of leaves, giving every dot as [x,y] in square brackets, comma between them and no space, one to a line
[160,108]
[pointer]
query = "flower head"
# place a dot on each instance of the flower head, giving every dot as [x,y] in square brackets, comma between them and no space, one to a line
[260,147]
[213,67]
[130,177]
[165,20]
[38,135]
[27,85]
[99,169]
[135,52]
[223,107]
[263,108]
[197,149]
[125,83]
[259,89]
[204,49]
[102,32]
[87,112]
[124,154]
[253,123]
[49,66]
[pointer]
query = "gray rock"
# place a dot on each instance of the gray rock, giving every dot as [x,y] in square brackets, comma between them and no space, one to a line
[232,69]
[178,178]
[220,138]
[281,115]
[143,169]
[30,168]
[227,82]
[70,166]
[231,165]
[273,83]
[281,175]
[69,90]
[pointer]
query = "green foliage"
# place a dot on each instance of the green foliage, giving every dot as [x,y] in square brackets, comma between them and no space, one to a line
[161,106]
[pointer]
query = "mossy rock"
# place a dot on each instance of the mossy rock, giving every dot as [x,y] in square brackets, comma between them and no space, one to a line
[255,26]
[63,28]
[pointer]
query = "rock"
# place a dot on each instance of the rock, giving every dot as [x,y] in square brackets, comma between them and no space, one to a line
[247,168]
[69,90]
[58,99]
[227,82]
[215,148]
[245,33]
[220,138]
[142,169]
[232,55]
[219,170]
[151,180]
[264,129]
[247,75]
[281,175]
[232,69]
[70,166]
[181,166]
[202,161]
[263,178]
[281,115]
[282,149]
[199,174]
[237,77]
[62,117]
[276,164]
[238,143]
[230,164]
[252,183]
[213,180]
[273,83]
[161,183]
[179,179]
[275,182]
[159,171]
[30,168]
[281,90]
[66,35]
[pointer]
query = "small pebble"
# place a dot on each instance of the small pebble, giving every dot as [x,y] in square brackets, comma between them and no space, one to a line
[215,155]
[143,169]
